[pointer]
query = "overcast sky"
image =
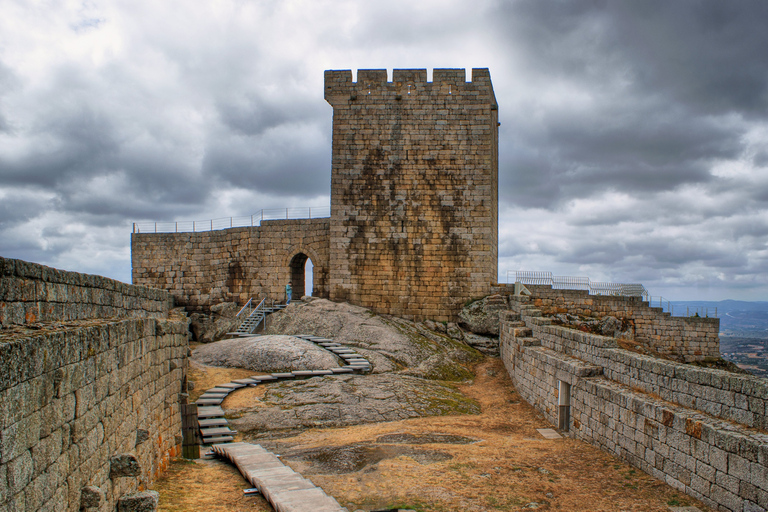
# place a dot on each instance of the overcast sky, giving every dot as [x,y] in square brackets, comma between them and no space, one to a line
[633,143]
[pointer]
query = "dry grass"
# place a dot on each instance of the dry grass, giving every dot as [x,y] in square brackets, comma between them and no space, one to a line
[206,485]
[511,468]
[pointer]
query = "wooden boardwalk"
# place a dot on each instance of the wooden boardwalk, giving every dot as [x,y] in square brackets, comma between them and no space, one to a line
[286,490]
[214,427]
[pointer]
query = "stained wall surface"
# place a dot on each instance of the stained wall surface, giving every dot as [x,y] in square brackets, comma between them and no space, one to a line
[414,198]
[80,390]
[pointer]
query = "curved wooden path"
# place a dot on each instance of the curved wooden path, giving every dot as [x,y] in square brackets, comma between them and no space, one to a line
[285,489]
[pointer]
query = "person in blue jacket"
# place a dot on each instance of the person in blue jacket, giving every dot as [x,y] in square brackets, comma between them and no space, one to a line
[288,293]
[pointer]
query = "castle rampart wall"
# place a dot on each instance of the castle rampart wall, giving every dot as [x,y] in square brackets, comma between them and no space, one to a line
[230,265]
[684,338]
[32,293]
[414,199]
[89,407]
[702,431]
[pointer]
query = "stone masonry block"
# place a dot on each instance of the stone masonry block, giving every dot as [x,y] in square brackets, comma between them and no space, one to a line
[20,471]
[146,501]
[91,497]
[124,465]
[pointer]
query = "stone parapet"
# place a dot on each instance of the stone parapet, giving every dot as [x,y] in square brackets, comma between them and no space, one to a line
[683,338]
[72,399]
[705,432]
[31,293]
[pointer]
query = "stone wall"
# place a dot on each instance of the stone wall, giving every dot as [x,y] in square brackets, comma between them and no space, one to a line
[684,338]
[231,265]
[89,408]
[32,293]
[414,199]
[702,431]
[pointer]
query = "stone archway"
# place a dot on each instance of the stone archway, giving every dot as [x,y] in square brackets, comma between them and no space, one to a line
[293,269]
[298,277]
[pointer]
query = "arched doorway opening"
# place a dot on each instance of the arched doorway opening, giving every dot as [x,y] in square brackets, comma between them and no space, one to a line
[301,275]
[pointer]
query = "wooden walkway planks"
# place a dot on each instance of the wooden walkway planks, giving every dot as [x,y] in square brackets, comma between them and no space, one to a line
[210,414]
[286,490]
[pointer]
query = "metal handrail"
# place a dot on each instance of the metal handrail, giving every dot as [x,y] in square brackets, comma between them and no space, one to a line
[194,226]
[244,307]
[248,310]
[701,311]
[665,305]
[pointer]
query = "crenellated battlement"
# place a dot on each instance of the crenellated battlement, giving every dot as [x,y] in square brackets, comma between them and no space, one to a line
[372,84]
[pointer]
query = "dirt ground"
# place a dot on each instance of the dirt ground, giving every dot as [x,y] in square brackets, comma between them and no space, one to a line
[492,461]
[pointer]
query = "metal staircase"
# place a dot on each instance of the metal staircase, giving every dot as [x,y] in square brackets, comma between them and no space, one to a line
[251,318]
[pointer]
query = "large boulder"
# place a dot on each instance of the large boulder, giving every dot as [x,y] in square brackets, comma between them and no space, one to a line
[482,316]
[214,326]
[341,400]
[405,343]
[266,354]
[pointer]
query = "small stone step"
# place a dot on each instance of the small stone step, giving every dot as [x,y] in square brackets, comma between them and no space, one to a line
[217,431]
[244,382]
[311,373]
[342,370]
[212,422]
[209,394]
[341,350]
[218,389]
[264,378]
[218,439]
[209,412]
[352,360]
[209,401]
[231,385]
[284,375]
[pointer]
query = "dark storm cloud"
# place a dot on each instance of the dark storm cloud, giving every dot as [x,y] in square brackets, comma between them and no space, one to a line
[19,206]
[706,54]
[288,165]
[66,145]
[668,83]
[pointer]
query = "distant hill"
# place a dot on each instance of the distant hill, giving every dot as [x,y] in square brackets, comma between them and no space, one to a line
[743,331]
[737,317]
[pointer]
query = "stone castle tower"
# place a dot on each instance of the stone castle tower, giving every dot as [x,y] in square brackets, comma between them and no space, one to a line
[414,189]
[413,230]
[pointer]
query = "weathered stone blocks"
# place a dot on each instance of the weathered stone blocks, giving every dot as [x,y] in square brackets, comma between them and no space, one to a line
[67,403]
[665,418]
[145,501]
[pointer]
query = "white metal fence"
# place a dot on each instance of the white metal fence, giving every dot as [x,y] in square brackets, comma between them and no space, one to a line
[602,288]
[193,226]
[576,283]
